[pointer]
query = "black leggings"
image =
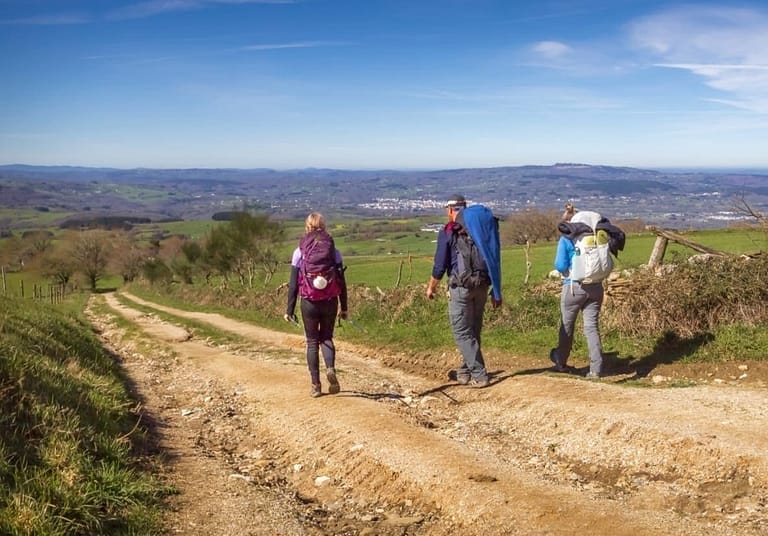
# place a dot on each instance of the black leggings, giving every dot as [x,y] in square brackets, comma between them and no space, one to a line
[319,319]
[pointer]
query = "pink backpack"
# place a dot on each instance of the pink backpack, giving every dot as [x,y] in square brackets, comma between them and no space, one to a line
[318,273]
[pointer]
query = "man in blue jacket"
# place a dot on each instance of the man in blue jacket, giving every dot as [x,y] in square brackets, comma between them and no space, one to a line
[465,305]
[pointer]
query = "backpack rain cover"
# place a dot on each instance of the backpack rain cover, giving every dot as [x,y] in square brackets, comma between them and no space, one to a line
[483,228]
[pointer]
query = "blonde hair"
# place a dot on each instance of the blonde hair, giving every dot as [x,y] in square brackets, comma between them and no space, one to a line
[314,222]
[570,210]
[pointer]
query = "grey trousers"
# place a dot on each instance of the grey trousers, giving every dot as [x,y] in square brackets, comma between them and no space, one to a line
[588,299]
[465,312]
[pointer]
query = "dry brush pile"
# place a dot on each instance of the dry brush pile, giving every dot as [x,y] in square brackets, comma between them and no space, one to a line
[690,298]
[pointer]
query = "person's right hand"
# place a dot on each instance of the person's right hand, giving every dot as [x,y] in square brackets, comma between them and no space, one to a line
[289,318]
[432,287]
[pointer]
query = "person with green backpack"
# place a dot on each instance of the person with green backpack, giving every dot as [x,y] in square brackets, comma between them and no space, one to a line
[584,260]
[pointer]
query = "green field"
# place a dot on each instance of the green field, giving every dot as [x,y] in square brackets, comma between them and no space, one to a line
[385,253]
[416,258]
[396,258]
[29,220]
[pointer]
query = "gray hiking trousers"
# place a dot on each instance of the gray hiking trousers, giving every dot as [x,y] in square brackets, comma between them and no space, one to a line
[588,299]
[465,312]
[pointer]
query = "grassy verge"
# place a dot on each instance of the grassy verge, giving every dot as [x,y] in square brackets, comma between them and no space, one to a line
[698,312]
[200,330]
[71,459]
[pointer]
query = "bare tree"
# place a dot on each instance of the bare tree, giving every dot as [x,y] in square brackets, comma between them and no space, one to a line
[743,207]
[12,252]
[58,265]
[91,255]
[38,241]
[129,256]
[530,226]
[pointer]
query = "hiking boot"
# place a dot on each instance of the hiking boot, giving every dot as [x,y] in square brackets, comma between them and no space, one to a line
[333,383]
[461,377]
[559,367]
[478,384]
[317,390]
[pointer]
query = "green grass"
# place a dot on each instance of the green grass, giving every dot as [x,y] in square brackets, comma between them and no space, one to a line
[22,284]
[194,229]
[68,440]
[200,330]
[29,219]
[382,270]
[143,193]
[527,324]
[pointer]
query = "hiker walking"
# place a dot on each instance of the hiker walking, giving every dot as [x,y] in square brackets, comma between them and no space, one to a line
[583,259]
[468,251]
[317,275]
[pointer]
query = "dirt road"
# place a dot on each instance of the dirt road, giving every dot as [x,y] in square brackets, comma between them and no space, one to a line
[401,451]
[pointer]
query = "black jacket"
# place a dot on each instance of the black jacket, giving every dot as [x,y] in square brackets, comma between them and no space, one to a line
[616,237]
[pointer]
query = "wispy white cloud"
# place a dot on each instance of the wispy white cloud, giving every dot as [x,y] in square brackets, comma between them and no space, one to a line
[551,49]
[150,8]
[727,47]
[524,97]
[582,59]
[48,20]
[298,44]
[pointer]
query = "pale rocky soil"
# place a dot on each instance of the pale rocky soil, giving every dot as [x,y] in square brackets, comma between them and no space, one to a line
[403,450]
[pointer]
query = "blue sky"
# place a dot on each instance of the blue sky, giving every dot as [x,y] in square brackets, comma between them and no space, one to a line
[361,84]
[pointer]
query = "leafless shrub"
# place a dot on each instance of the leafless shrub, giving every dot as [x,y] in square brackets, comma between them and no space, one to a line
[631,226]
[694,298]
[742,207]
[530,226]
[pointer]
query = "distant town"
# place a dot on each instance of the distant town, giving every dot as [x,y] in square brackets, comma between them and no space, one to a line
[684,199]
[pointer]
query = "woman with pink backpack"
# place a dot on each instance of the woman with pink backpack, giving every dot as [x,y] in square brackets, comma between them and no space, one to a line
[317,276]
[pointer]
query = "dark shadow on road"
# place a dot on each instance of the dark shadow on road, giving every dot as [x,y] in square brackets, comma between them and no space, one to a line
[668,349]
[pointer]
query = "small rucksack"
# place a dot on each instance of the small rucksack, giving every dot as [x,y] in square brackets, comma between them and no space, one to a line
[318,274]
[473,271]
[592,261]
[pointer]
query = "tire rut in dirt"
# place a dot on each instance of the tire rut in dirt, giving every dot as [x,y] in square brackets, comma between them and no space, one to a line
[561,451]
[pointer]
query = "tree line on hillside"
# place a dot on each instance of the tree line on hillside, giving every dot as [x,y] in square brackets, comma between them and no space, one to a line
[243,249]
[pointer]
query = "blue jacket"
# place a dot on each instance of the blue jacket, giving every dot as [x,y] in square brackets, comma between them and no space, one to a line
[446,257]
[563,257]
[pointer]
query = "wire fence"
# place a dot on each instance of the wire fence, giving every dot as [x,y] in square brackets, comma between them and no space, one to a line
[53,293]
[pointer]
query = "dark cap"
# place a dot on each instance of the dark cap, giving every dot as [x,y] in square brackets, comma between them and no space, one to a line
[456,201]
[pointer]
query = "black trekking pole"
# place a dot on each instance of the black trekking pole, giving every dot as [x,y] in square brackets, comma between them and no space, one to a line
[292,319]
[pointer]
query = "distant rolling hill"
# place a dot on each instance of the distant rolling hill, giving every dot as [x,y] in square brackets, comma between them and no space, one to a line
[685,198]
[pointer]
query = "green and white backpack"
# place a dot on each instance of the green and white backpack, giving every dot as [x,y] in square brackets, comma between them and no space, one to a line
[592,261]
